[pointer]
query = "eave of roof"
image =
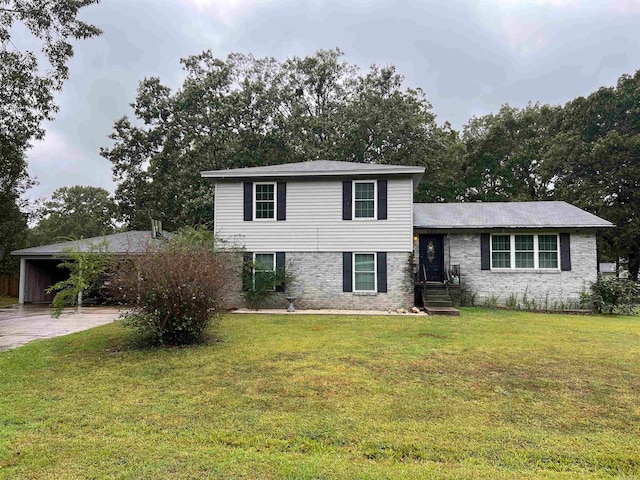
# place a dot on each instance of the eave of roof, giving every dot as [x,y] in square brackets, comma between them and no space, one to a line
[314,168]
[132,242]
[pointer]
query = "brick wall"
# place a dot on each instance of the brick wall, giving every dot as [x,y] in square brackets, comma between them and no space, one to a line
[318,284]
[541,285]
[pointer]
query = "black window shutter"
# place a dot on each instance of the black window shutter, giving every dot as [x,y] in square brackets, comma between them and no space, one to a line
[382,272]
[485,251]
[347,265]
[565,252]
[248,201]
[282,201]
[247,271]
[346,200]
[280,262]
[382,199]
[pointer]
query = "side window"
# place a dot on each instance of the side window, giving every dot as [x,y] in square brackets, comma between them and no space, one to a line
[501,251]
[265,201]
[548,251]
[364,199]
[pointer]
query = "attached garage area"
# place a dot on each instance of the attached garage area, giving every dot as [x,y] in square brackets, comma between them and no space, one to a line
[39,265]
[39,274]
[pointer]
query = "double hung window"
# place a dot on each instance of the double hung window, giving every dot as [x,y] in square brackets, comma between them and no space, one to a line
[364,272]
[263,270]
[364,200]
[265,199]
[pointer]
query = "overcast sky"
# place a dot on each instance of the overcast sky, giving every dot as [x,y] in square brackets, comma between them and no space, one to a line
[469,57]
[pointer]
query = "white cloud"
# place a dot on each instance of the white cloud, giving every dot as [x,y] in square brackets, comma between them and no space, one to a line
[225,11]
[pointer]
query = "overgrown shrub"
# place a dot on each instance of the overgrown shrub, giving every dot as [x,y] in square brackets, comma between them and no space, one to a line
[176,291]
[615,295]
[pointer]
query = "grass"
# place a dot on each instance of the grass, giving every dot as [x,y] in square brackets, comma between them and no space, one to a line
[493,394]
[7,301]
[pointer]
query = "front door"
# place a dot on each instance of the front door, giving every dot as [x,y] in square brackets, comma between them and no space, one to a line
[431,258]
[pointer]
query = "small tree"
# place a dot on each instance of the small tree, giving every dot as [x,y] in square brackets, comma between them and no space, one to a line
[85,272]
[615,295]
[175,291]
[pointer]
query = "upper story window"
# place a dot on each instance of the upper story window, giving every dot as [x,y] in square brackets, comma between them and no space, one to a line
[524,251]
[364,200]
[265,200]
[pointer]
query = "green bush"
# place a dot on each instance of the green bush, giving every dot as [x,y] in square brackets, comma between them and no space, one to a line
[261,288]
[175,292]
[615,295]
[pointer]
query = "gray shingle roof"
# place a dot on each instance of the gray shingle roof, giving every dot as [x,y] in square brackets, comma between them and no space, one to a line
[504,215]
[136,241]
[314,168]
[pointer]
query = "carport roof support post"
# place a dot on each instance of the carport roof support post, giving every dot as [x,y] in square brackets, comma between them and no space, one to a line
[23,275]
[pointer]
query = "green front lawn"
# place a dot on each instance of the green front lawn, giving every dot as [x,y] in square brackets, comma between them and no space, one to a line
[492,394]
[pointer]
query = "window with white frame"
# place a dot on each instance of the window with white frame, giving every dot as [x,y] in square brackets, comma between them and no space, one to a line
[364,272]
[532,251]
[265,200]
[264,265]
[364,199]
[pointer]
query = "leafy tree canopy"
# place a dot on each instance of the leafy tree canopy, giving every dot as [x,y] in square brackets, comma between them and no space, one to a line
[74,212]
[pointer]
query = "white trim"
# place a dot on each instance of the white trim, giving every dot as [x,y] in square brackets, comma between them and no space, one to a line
[275,202]
[375,272]
[536,252]
[375,200]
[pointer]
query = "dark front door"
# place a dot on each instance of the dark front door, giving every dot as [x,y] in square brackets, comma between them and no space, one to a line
[431,258]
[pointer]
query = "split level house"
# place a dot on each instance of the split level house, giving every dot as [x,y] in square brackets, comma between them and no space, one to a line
[353,238]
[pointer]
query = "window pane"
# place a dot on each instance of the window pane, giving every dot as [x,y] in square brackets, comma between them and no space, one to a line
[524,260]
[501,260]
[501,242]
[524,243]
[365,191]
[364,208]
[264,261]
[548,243]
[365,281]
[265,209]
[364,262]
[264,192]
[548,259]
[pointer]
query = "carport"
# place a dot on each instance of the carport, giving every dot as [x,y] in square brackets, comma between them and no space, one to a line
[39,265]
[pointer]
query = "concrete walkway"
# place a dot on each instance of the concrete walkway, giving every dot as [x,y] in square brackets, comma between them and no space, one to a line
[22,324]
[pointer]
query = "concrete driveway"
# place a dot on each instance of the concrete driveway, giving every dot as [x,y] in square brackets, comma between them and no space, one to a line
[22,324]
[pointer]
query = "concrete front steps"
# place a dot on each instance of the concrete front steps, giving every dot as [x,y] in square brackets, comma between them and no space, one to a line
[437,300]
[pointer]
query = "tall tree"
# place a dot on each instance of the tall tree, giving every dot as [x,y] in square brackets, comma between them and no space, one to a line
[596,157]
[505,154]
[26,95]
[74,212]
[243,111]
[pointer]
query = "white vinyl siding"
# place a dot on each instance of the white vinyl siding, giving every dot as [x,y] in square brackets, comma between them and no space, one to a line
[525,251]
[314,220]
